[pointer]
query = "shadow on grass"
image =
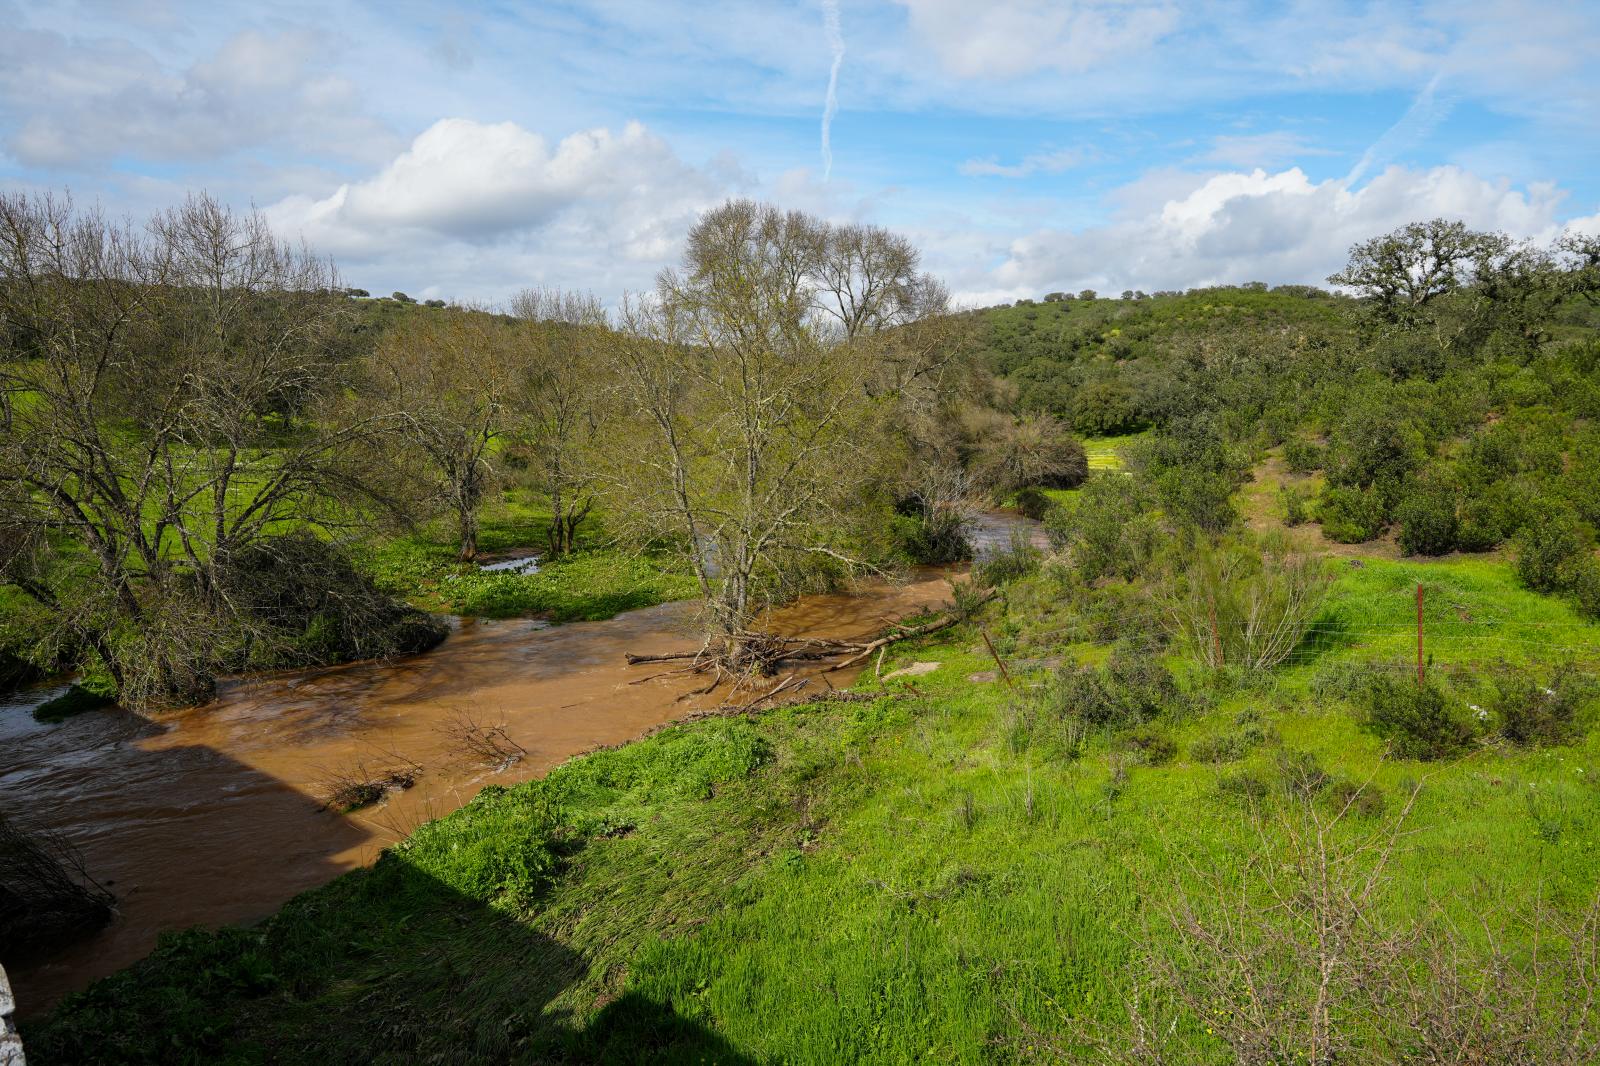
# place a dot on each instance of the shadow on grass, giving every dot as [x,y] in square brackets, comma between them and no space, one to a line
[1330,632]
[383,965]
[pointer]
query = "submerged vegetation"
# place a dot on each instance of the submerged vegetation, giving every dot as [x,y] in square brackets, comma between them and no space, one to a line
[1284,751]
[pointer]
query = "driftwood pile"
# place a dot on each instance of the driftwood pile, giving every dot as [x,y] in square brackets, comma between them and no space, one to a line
[745,660]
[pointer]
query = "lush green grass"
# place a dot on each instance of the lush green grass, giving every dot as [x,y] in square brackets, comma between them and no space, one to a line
[920,878]
[597,581]
[1105,453]
[1475,613]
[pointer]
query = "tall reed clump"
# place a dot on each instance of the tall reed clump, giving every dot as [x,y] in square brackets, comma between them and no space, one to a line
[1244,604]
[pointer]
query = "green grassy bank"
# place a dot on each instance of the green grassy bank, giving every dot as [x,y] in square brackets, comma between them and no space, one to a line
[596,581]
[949,872]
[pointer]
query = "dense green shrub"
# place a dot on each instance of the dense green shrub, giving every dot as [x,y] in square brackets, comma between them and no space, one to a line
[1194,472]
[1376,451]
[1531,713]
[1199,497]
[1303,456]
[1419,721]
[1487,517]
[934,539]
[1106,408]
[1550,550]
[1131,690]
[1033,503]
[1294,501]
[1509,448]
[1351,515]
[1427,518]
[1110,528]
[1586,587]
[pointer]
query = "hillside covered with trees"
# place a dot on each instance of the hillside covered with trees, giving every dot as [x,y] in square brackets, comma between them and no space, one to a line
[1283,750]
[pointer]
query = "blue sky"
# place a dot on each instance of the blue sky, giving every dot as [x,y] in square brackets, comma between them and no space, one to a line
[469,150]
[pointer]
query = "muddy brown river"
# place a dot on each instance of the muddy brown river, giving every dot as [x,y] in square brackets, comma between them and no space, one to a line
[213,815]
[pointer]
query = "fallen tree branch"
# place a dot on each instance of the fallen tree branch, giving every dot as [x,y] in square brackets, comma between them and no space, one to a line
[942,622]
[757,654]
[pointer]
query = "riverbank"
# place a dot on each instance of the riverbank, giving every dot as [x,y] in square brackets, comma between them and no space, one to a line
[176,814]
[941,871]
[597,581]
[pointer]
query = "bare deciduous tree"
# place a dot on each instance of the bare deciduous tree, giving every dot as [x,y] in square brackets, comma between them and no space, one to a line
[161,392]
[563,409]
[448,383]
[749,419]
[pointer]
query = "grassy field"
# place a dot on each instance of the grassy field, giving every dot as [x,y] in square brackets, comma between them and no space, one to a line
[940,874]
[1105,453]
[598,580]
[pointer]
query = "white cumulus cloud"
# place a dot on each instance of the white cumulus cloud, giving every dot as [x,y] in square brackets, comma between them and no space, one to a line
[1278,227]
[482,209]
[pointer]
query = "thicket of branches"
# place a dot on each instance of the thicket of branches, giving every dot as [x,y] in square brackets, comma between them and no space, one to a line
[164,397]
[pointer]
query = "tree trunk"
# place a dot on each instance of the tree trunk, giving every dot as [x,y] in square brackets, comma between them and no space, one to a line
[467,516]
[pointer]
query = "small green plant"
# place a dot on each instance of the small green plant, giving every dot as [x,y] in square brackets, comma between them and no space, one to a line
[1219,748]
[1533,714]
[968,597]
[966,811]
[1419,721]
[1295,501]
[1244,785]
[1153,746]
[1301,775]
[1549,814]
[1363,800]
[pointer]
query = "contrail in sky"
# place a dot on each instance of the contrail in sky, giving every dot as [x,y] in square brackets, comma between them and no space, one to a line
[830,26]
[1419,120]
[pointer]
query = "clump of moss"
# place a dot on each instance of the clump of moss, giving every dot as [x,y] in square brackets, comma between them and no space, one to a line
[76,700]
